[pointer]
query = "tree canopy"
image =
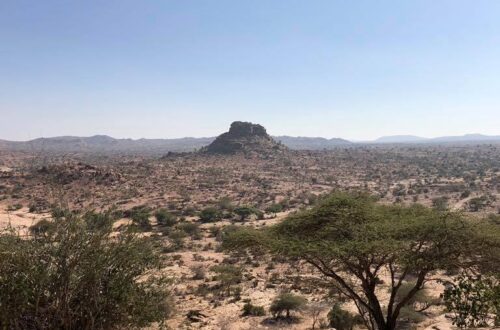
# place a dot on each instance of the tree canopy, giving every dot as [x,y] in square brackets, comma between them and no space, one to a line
[353,242]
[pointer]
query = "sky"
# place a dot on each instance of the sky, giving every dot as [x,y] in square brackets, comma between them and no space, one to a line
[174,68]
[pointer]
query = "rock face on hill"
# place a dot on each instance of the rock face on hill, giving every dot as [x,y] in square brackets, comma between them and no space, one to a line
[244,137]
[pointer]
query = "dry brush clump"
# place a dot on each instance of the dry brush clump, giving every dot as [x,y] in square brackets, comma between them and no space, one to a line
[74,272]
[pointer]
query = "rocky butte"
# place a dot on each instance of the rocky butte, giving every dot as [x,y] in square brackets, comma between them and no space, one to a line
[244,137]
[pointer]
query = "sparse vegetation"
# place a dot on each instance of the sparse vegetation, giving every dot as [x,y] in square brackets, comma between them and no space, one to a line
[251,310]
[354,234]
[183,206]
[228,276]
[286,303]
[210,214]
[72,274]
[165,218]
[340,319]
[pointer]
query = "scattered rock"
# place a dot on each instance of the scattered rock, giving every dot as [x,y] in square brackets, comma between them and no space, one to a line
[195,316]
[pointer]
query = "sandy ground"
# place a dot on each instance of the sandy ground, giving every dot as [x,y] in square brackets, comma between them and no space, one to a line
[19,220]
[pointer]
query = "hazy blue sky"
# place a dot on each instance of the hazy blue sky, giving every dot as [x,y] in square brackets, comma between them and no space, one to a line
[352,69]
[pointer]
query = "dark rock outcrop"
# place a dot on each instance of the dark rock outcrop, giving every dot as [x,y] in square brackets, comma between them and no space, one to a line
[244,137]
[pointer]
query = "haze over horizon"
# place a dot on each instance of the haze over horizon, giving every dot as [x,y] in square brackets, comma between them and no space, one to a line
[397,137]
[356,71]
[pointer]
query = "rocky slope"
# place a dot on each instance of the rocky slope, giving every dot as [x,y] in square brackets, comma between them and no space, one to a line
[244,137]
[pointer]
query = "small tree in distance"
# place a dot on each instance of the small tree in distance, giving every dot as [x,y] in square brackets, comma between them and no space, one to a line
[165,218]
[340,319]
[210,214]
[274,208]
[244,212]
[286,302]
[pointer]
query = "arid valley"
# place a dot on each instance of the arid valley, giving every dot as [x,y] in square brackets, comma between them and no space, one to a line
[186,202]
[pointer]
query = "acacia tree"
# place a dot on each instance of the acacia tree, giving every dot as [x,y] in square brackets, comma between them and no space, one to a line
[244,212]
[352,242]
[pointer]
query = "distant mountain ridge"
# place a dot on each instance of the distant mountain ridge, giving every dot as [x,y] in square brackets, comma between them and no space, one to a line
[441,139]
[399,139]
[104,143]
[311,143]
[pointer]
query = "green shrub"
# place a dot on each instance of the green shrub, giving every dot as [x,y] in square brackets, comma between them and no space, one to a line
[340,319]
[473,301]
[210,214]
[98,221]
[74,276]
[14,207]
[244,212]
[140,217]
[190,228]
[251,310]
[286,302]
[165,218]
[177,240]
[228,276]
[274,208]
[225,203]
[440,203]
[198,272]
[476,204]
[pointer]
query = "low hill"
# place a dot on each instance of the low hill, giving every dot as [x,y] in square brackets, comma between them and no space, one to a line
[103,143]
[400,139]
[467,138]
[311,143]
[107,144]
[244,137]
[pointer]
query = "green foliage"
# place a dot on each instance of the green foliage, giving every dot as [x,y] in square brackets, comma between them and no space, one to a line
[140,217]
[476,204]
[14,207]
[165,218]
[228,276]
[274,208]
[72,275]
[472,300]
[190,228]
[244,212]
[98,221]
[225,203]
[286,302]
[349,236]
[340,319]
[440,203]
[251,310]
[210,214]
[198,272]
[176,238]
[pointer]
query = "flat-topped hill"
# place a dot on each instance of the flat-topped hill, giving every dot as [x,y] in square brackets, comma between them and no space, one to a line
[244,137]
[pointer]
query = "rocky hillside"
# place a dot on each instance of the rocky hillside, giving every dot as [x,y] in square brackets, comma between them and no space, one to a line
[244,137]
